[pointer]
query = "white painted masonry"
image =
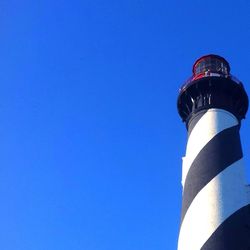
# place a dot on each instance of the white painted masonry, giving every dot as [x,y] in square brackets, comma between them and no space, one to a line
[210,124]
[219,199]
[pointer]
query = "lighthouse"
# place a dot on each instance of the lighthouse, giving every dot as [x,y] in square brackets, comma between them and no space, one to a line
[215,211]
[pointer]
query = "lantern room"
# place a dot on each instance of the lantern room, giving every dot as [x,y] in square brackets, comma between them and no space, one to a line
[212,86]
[210,64]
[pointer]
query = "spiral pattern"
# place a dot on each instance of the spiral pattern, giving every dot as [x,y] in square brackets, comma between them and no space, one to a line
[215,203]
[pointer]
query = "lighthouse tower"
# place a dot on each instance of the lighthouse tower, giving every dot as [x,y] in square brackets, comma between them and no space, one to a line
[215,200]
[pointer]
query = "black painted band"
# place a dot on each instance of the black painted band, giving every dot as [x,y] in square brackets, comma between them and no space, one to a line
[233,233]
[194,120]
[219,153]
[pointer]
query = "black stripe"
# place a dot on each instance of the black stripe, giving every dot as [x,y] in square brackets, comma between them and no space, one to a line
[233,233]
[219,153]
[193,121]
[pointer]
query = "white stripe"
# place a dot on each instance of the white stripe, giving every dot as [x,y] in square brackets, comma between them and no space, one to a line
[219,199]
[210,124]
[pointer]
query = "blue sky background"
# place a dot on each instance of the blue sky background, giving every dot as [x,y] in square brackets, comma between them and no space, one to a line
[91,142]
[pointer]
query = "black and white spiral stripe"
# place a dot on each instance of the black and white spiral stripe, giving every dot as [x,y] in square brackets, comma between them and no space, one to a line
[215,206]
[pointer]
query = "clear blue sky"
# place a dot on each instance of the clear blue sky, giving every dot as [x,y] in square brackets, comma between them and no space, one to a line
[91,142]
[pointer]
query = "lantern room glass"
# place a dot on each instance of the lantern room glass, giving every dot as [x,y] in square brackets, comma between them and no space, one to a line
[211,64]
